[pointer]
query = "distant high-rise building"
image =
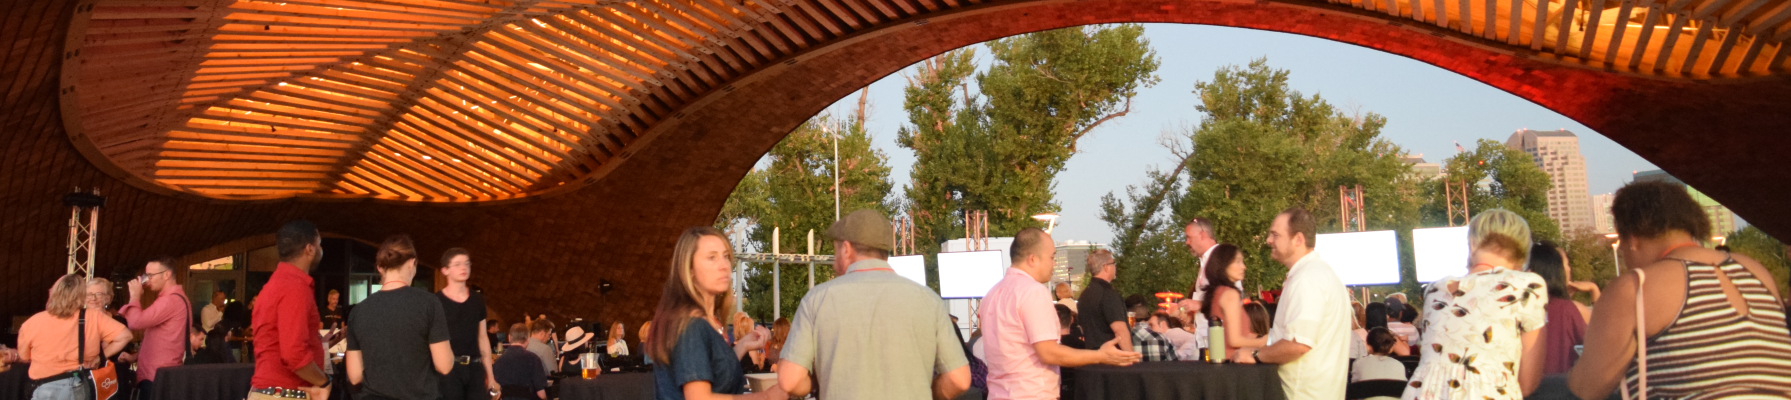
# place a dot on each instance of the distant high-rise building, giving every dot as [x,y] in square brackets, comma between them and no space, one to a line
[1424,171]
[1558,154]
[1072,263]
[1722,221]
[1601,214]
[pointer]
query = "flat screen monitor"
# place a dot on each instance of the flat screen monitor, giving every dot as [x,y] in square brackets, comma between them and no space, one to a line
[1440,252]
[968,274]
[912,267]
[1362,258]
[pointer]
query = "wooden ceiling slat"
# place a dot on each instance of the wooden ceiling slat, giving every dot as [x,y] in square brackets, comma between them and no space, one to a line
[1673,35]
[390,188]
[538,123]
[556,85]
[1641,47]
[1734,16]
[1564,29]
[1619,27]
[795,17]
[245,166]
[460,179]
[1748,58]
[1538,26]
[1489,20]
[1514,26]
[233,156]
[510,137]
[839,11]
[565,50]
[379,190]
[563,71]
[425,179]
[1771,20]
[565,33]
[538,96]
[1590,37]
[382,166]
[1693,54]
[1719,62]
[451,128]
[462,157]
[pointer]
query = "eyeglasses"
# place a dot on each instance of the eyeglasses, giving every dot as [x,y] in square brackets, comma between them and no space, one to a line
[147,275]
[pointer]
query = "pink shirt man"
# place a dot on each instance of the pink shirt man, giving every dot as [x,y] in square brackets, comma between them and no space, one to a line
[1016,314]
[165,330]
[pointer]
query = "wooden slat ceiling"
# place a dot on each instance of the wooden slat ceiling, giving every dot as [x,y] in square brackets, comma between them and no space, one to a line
[459,101]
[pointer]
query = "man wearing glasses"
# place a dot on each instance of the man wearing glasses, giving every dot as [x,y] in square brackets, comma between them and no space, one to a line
[163,323]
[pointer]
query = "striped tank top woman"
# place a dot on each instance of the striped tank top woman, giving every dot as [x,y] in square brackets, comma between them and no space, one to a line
[1711,350]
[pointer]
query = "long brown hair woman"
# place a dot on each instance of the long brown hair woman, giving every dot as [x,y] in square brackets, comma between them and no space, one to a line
[695,359]
[1223,301]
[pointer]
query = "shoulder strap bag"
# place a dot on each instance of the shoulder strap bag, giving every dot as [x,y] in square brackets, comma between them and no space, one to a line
[102,382]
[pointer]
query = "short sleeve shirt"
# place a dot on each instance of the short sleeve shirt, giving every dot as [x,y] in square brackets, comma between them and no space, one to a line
[701,354]
[1016,314]
[872,334]
[393,330]
[1101,306]
[463,322]
[1314,311]
[51,343]
[1481,324]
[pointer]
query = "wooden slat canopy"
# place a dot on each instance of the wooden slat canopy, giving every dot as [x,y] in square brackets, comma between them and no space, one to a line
[467,101]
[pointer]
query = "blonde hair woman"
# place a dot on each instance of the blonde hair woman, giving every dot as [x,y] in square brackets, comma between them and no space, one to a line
[754,361]
[694,358]
[618,340]
[48,341]
[1480,336]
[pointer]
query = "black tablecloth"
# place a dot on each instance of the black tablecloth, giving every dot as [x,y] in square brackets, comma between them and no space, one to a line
[1177,380]
[204,382]
[609,386]
[13,383]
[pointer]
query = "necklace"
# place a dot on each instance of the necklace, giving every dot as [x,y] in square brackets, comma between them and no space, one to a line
[1677,247]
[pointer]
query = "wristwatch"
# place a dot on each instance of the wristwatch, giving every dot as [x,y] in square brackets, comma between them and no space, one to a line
[1253,355]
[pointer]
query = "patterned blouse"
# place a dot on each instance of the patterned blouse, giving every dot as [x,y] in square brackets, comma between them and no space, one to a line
[1473,336]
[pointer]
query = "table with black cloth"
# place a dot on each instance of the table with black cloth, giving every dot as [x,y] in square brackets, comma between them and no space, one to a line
[204,382]
[609,386]
[1177,380]
[14,382]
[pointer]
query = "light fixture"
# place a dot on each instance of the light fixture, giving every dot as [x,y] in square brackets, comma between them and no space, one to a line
[1050,220]
[1720,241]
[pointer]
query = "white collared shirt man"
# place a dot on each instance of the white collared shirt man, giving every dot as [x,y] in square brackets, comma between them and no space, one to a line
[1314,311]
[1311,332]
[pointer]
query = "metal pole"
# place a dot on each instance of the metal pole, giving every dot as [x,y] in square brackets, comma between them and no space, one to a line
[836,176]
[811,264]
[1616,263]
[777,292]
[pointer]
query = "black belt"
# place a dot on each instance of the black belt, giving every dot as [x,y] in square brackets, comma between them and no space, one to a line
[52,378]
[283,392]
[464,360]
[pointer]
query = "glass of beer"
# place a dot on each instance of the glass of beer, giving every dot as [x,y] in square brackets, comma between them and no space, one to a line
[587,364]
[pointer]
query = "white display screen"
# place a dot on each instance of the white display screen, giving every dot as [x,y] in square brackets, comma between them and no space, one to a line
[1362,258]
[1440,252]
[912,267]
[968,274]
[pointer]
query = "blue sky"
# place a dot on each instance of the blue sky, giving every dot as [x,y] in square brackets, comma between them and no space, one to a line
[1428,109]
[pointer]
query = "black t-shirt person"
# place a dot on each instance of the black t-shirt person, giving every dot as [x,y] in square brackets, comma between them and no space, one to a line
[393,330]
[1101,306]
[463,323]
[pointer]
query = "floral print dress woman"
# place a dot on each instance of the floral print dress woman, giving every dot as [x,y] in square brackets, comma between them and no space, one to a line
[1473,344]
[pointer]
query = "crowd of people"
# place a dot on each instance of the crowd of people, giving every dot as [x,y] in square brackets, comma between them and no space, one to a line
[1506,328]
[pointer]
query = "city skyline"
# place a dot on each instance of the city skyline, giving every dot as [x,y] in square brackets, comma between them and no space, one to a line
[1429,111]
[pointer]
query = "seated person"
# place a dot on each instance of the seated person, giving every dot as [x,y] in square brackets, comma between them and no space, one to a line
[1147,337]
[1187,344]
[1066,327]
[518,371]
[1379,363]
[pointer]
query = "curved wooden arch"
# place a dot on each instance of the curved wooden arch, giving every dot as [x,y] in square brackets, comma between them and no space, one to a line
[461,101]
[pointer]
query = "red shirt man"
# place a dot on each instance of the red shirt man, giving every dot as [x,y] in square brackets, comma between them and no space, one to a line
[288,351]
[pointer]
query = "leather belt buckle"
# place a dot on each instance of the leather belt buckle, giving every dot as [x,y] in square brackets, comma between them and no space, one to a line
[464,360]
[283,393]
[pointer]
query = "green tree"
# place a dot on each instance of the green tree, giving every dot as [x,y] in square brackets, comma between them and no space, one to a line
[999,150]
[1511,181]
[793,192]
[1770,252]
[1260,147]
[1590,259]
